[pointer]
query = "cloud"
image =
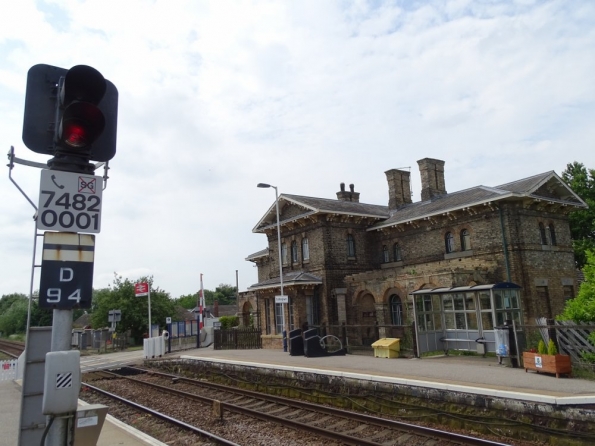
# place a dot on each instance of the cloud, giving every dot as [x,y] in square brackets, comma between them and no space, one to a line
[218,96]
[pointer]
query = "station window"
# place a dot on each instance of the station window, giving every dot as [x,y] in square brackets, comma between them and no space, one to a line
[396,310]
[542,234]
[449,242]
[294,252]
[398,253]
[305,249]
[385,257]
[552,232]
[350,246]
[284,253]
[465,240]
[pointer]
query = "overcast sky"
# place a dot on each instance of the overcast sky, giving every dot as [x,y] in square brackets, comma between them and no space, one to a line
[217,96]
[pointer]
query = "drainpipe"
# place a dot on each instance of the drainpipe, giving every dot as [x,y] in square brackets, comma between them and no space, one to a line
[504,245]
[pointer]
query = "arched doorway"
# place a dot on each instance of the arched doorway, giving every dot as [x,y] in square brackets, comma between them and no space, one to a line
[246,312]
[367,319]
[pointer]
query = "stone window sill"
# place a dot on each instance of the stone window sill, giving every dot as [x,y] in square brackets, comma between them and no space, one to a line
[458,254]
[391,264]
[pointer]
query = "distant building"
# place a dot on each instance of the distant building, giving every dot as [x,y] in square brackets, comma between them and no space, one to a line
[356,263]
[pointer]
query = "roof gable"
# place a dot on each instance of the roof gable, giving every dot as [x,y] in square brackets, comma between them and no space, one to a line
[295,207]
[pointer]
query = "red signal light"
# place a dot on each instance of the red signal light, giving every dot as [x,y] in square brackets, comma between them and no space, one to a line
[74,134]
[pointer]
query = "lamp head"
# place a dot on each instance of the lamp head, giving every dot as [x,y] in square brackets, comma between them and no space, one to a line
[263,185]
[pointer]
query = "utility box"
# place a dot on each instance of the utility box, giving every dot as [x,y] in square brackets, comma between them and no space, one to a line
[387,348]
[62,382]
[88,423]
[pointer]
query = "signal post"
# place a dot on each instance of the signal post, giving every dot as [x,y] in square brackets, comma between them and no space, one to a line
[70,115]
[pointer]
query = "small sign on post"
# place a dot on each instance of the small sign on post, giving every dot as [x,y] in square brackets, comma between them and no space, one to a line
[141,289]
[281,299]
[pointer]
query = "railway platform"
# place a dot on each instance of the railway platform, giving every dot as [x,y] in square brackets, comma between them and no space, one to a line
[465,374]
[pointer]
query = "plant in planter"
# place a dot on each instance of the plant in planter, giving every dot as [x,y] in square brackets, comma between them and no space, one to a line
[547,360]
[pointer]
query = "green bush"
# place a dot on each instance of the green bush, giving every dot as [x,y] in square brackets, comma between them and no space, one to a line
[551,348]
[541,347]
[228,322]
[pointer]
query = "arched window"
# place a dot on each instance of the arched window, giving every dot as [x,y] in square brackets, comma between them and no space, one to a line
[542,234]
[385,257]
[294,253]
[449,242]
[397,253]
[465,240]
[552,234]
[305,249]
[396,310]
[350,246]
[284,253]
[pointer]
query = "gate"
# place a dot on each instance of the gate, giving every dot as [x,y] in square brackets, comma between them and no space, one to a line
[237,339]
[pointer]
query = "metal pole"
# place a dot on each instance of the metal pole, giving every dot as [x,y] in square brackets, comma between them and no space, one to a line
[150,328]
[280,258]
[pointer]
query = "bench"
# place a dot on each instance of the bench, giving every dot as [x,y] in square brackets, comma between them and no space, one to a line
[446,341]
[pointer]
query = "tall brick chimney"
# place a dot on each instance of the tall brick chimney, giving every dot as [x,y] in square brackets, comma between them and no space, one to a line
[432,178]
[343,195]
[399,188]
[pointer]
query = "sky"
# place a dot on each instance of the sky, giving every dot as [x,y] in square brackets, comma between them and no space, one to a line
[217,96]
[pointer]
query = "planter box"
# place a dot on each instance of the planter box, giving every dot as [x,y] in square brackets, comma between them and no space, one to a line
[556,364]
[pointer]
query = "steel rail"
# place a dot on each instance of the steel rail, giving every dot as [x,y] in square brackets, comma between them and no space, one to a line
[353,416]
[363,418]
[162,416]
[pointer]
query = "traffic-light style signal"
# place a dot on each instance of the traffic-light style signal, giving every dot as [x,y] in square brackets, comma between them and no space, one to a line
[70,114]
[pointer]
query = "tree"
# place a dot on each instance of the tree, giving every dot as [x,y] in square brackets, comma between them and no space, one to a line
[582,307]
[224,293]
[121,296]
[13,313]
[582,222]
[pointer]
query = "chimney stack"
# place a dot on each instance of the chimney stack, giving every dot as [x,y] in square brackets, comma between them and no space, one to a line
[343,195]
[432,178]
[399,188]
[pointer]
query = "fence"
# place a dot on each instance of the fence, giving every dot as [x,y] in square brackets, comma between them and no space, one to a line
[237,339]
[570,338]
[8,369]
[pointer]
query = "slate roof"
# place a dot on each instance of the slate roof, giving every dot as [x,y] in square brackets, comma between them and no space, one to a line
[315,205]
[262,253]
[289,279]
[479,195]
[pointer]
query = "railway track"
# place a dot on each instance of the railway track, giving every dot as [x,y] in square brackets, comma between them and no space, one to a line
[313,422]
[12,348]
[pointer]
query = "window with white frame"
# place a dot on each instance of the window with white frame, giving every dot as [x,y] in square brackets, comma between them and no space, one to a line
[305,249]
[396,310]
[465,240]
[278,318]
[294,252]
[284,253]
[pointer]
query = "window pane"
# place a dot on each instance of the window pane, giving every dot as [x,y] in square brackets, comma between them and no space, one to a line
[471,321]
[437,322]
[460,321]
[449,321]
[427,303]
[429,322]
[436,303]
[419,304]
[421,326]
[459,302]
[447,302]
[305,249]
[470,301]
[498,301]
[514,299]
[484,301]
[486,321]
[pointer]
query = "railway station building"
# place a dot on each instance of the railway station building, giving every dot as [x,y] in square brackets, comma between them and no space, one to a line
[456,263]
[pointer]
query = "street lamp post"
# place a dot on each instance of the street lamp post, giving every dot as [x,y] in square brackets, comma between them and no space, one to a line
[264,185]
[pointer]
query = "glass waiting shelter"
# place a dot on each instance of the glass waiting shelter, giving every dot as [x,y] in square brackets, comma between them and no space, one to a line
[461,318]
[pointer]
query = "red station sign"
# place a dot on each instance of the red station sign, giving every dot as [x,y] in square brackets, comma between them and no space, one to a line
[141,289]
